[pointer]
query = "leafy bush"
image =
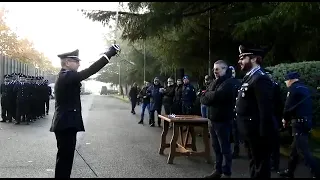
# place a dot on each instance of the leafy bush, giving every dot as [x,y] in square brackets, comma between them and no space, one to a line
[310,75]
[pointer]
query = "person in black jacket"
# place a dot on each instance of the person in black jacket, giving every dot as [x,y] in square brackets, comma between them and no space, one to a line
[67,118]
[133,94]
[168,95]
[278,109]
[255,113]
[177,98]
[220,98]
[145,101]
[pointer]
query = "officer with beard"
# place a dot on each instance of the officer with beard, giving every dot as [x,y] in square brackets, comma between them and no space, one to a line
[145,101]
[168,95]
[155,92]
[254,113]
[177,98]
[5,99]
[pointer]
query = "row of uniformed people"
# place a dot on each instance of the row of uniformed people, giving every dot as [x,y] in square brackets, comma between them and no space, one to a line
[176,98]
[24,98]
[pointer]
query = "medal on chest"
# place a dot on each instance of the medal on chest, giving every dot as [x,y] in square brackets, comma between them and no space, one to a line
[243,89]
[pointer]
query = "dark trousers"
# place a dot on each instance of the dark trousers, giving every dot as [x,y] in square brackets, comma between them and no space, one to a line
[151,116]
[236,137]
[220,137]
[300,144]
[133,104]
[259,154]
[47,105]
[275,155]
[66,144]
[4,109]
[176,108]
[22,109]
[186,109]
[167,108]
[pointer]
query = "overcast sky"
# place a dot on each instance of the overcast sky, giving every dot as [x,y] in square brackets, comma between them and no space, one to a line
[57,27]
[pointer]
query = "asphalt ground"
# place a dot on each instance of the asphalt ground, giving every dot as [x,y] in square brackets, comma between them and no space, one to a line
[113,146]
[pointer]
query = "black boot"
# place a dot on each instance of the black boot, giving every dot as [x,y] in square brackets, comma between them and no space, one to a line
[214,174]
[286,174]
[140,122]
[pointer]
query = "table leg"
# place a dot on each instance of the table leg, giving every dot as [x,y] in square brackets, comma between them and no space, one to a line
[193,139]
[173,144]
[206,143]
[164,136]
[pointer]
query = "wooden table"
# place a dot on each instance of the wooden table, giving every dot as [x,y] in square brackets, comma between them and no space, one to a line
[178,122]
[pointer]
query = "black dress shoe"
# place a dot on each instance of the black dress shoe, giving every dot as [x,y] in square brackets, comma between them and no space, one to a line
[140,122]
[152,125]
[286,174]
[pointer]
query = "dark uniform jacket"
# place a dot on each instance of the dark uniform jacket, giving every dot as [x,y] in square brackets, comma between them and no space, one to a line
[188,95]
[254,106]
[278,103]
[298,106]
[178,94]
[67,113]
[220,97]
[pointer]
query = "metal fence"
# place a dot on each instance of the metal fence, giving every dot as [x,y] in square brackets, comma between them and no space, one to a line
[8,66]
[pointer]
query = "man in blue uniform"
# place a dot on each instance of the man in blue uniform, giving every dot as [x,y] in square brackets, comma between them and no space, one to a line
[254,115]
[155,92]
[298,110]
[67,118]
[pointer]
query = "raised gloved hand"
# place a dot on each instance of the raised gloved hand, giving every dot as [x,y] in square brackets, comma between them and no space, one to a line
[112,51]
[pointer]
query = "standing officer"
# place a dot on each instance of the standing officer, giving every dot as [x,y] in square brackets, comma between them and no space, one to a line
[21,90]
[204,109]
[254,115]
[47,95]
[67,118]
[5,99]
[298,109]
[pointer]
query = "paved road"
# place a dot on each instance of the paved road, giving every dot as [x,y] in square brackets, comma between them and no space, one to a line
[114,145]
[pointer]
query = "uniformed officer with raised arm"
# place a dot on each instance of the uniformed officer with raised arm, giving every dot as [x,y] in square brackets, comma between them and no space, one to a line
[67,118]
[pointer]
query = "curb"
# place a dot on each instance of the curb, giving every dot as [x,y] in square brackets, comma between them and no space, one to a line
[120,98]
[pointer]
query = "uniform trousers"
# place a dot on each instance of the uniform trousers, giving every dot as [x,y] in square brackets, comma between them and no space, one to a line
[66,144]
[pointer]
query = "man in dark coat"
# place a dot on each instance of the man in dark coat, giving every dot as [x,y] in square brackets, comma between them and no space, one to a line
[298,110]
[5,99]
[177,98]
[168,96]
[254,116]
[133,94]
[155,92]
[220,99]
[67,118]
